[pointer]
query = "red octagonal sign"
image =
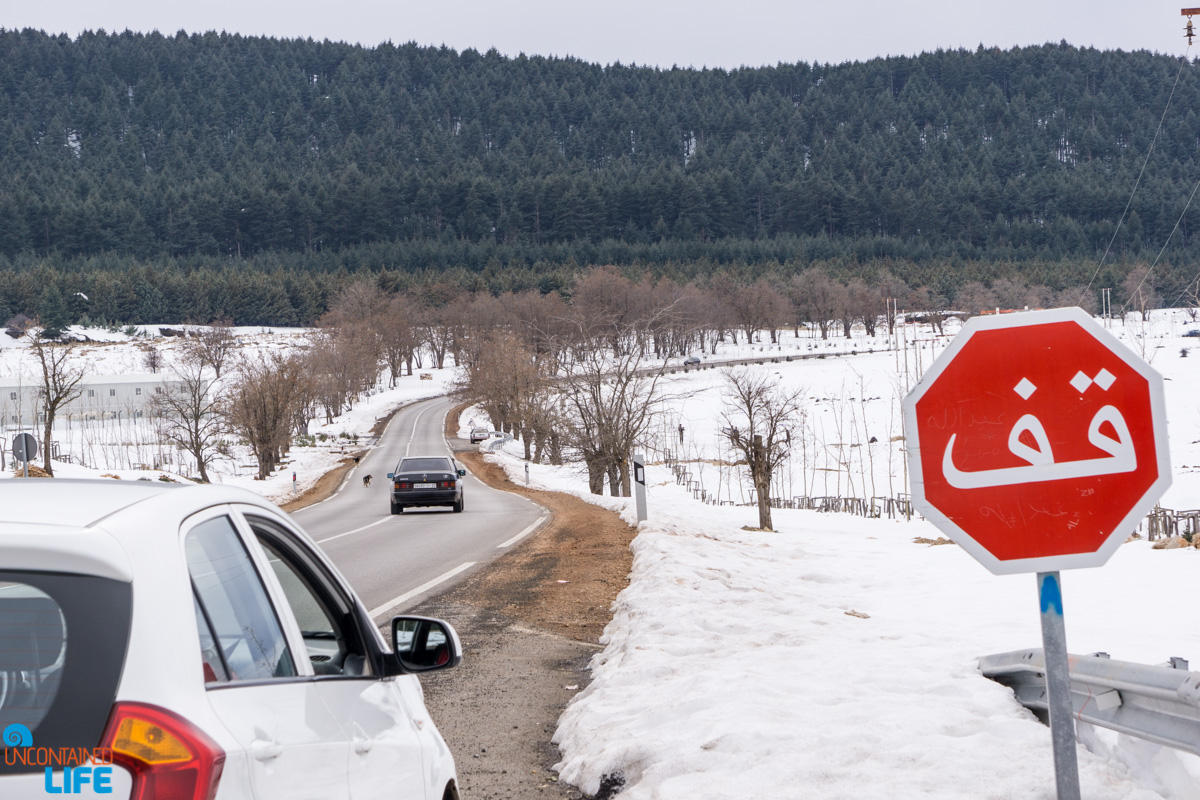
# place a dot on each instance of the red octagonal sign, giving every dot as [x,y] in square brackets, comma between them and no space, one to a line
[1037,441]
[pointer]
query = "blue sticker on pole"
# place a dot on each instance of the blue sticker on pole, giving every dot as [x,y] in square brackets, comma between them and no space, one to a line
[1050,594]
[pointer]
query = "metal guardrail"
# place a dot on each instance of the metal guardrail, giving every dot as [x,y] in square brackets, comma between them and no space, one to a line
[1157,703]
[496,445]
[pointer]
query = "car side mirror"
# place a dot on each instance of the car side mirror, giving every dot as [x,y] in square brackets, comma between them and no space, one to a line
[424,644]
[462,473]
[391,475]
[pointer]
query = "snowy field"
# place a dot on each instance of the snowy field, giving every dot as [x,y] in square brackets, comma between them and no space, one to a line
[118,447]
[836,658]
[733,665]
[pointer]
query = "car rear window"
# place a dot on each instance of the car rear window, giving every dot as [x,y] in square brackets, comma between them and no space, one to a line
[63,640]
[425,465]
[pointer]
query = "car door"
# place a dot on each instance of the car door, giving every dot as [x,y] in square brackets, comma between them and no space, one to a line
[261,691]
[385,755]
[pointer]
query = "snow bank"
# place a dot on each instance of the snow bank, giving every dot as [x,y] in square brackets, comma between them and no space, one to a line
[836,658]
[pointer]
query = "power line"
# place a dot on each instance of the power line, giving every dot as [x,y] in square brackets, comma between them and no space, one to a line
[1153,142]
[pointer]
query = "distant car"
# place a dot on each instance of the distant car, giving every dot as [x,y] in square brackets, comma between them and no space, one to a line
[196,637]
[479,435]
[691,360]
[429,481]
[1194,332]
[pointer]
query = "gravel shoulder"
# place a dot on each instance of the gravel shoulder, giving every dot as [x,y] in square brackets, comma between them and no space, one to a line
[529,623]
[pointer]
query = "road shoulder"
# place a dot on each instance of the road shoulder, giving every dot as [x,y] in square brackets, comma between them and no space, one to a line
[530,623]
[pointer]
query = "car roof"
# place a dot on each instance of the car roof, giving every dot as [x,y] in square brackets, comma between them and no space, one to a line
[41,501]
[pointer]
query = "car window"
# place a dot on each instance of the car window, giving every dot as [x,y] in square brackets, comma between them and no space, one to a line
[233,602]
[424,465]
[33,647]
[211,657]
[63,640]
[331,638]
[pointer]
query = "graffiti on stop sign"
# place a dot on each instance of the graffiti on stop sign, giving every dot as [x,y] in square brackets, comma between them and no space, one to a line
[1037,439]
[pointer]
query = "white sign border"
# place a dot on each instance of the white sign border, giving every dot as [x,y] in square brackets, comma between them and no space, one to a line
[1158,413]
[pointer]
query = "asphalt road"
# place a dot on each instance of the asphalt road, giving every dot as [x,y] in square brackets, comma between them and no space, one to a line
[393,562]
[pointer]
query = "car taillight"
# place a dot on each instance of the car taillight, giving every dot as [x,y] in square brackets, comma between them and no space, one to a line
[170,758]
[447,484]
[402,485]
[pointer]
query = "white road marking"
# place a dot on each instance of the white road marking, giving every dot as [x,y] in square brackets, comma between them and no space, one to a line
[390,604]
[356,530]
[524,533]
[446,441]
[346,477]
[413,435]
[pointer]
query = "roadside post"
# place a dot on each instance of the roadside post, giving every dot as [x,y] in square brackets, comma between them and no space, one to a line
[1038,442]
[639,485]
[25,449]
[294,490]
[527,474]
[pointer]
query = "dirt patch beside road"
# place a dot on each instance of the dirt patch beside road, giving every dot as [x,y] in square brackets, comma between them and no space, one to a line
[325,486]
[529,623]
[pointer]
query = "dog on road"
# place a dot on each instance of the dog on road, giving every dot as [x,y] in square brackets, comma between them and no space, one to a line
[366,480]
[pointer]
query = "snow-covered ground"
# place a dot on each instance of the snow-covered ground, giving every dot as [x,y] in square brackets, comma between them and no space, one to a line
[836,657]
[733,665]
[117,447]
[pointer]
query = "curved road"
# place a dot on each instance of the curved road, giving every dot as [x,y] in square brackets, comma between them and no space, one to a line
[394,561]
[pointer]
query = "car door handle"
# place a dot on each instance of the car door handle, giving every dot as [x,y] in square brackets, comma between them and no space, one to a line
[265,750]
[362,745]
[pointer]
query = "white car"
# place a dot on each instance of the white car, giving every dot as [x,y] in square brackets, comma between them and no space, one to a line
[161,641]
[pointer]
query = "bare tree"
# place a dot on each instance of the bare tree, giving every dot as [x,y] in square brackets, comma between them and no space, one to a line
[610,397]
[974,298]
[214,346]
[1140,291]
[512,385]
[816,297]
[189,413]
[756,307]
[760,418]
[153,359]
[61,379]
[1192,294]
[398,336]
[261,405]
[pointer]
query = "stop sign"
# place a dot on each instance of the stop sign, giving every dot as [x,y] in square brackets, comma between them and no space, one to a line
[1037,441]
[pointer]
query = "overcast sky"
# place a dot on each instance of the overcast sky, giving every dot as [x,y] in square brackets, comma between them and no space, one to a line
[724,33]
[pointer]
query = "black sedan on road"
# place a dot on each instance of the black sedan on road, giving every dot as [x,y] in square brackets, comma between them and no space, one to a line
[430,481]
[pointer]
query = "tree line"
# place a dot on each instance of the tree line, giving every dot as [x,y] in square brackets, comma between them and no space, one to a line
[210,150]
[277,297]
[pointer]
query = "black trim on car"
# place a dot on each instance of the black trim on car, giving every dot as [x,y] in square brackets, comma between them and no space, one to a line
[98,616]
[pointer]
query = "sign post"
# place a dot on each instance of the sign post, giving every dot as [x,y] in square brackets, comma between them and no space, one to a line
[1058,684]
[25,449]
[1037,442]
[639,485]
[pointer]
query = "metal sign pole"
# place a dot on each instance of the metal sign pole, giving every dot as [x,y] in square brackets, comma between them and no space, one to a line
[639,485]
[1058,684]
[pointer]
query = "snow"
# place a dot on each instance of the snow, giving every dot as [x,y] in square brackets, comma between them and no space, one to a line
[116,448]
[733,665]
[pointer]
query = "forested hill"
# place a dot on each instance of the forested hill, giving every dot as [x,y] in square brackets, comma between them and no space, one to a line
[201,151]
